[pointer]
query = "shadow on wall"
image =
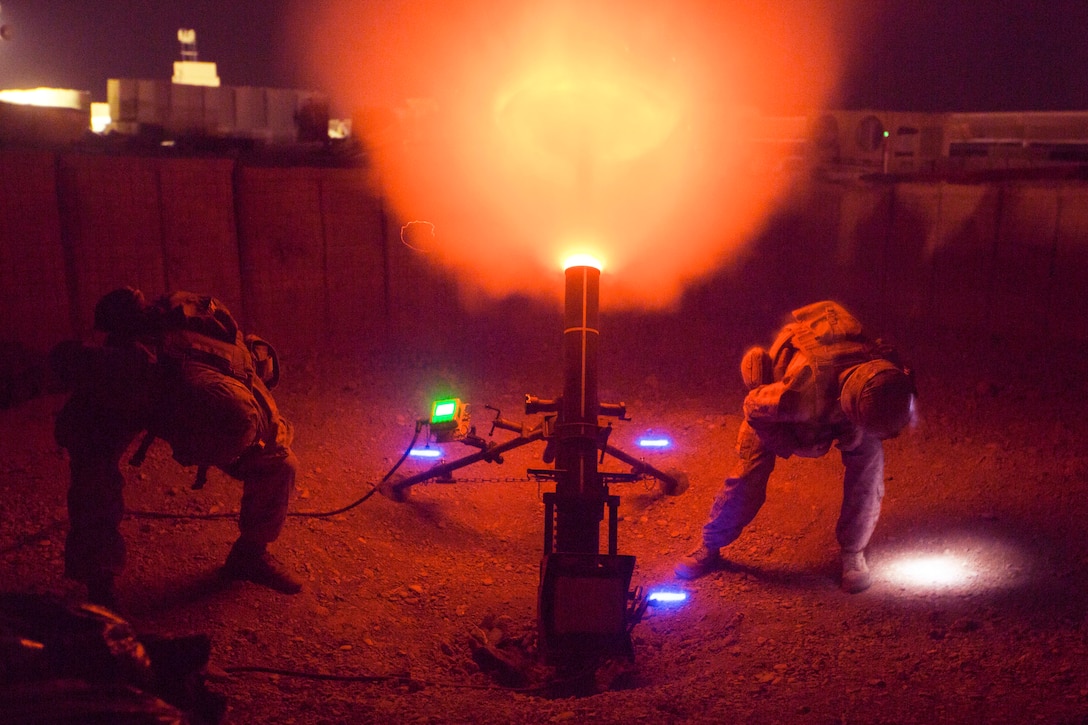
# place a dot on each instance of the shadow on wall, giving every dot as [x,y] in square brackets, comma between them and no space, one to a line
[992,258]
[23,374]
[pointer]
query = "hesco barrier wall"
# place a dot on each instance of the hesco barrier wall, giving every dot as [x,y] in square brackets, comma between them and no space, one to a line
[1003,258]
[35,304]
[299,255]
[310,256]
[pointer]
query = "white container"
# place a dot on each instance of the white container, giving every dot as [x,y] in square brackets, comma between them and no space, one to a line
[250,111]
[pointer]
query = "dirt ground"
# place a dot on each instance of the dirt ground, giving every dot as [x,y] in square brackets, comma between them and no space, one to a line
[992,481]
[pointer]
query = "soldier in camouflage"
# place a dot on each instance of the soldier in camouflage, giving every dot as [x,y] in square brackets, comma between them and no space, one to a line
[180,370]
[822,382]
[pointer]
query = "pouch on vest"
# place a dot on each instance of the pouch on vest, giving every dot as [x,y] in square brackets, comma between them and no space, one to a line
[198,313]
[208,418]
[219,405]
[830,339]
[827,323]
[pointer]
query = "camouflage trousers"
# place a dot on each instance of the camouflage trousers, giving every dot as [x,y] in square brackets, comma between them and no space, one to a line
[96,441]
[745,490]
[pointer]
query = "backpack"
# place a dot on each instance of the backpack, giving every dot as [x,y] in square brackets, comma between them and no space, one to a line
[201,329]
[831,339]
[214,401]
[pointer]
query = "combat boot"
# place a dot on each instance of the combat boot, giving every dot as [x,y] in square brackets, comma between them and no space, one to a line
[699,563]
[855,572]
[252,562]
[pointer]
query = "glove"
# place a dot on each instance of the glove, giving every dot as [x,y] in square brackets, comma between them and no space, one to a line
[265,361]
[756,368]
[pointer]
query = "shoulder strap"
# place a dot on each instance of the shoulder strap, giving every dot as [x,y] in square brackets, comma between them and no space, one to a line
[233,359]
[782,351]
[199,313]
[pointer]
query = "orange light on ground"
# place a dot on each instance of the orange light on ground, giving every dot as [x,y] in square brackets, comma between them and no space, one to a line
[516,125]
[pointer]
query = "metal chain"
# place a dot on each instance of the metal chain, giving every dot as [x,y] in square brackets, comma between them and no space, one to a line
[497,479]
[507,479]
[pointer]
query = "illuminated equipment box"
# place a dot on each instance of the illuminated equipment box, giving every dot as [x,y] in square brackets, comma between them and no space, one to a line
[449,419]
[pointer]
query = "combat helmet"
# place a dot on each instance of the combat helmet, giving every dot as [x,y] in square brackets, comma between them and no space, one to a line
[879,397]
[122,311]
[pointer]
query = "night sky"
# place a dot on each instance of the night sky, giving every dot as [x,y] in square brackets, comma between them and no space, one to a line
[972,55]
[82,43]
[923,55]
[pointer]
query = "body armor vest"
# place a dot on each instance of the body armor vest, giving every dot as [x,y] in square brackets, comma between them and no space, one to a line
[831,340]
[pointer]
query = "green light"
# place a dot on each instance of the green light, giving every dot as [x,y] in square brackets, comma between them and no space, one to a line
[445,411]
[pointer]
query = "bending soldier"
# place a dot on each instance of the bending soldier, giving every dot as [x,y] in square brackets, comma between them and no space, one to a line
[180,370]
[822,382]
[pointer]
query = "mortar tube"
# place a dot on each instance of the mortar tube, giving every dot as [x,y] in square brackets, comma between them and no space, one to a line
[580,495]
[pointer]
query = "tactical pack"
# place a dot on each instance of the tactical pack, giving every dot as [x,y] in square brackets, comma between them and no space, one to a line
[831,339]
[214,402]
[200,328]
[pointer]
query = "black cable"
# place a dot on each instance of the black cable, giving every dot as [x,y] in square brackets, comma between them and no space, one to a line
[405,678]
[168,515]
[318,675]
[326,514]
[407,451]
[300,514]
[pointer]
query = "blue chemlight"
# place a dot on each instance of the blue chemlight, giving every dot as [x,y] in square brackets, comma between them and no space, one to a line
[654,442]
[667,597]
[425,453]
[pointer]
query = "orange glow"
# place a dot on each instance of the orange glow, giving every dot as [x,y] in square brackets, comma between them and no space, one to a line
[516,127]
[582,260]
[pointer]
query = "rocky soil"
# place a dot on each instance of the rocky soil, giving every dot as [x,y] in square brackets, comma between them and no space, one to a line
[424,611]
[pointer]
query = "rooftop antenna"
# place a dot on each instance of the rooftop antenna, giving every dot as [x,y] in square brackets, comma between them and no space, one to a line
[187,38]
[189,71]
